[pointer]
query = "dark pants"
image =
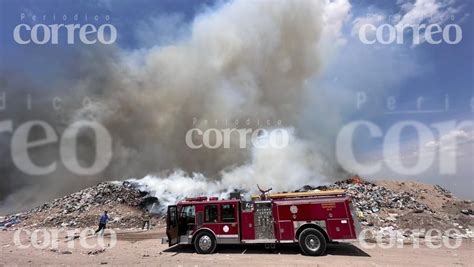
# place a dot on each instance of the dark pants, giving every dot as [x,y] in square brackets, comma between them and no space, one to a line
[101,227]
[147,223]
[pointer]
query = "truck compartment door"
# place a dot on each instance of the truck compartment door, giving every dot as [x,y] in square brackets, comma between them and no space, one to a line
[172,225]
[339,228]
[285,230]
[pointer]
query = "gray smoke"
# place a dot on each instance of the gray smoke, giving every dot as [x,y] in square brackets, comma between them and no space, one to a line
[245,61]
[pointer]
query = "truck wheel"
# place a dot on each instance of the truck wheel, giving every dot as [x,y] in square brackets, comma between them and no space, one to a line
[205,243]
[312,242]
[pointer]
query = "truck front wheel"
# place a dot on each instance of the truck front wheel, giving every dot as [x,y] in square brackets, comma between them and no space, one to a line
[312,242]
[205,243]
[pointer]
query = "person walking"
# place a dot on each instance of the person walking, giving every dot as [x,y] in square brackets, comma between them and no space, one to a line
[102,222]
[146,217]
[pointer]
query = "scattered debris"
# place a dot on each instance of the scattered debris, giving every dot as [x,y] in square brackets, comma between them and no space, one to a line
[443,191]
[467,212]
[96,251]
[9,221]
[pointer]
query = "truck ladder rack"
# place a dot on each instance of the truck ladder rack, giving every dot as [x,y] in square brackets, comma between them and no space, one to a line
[303,194]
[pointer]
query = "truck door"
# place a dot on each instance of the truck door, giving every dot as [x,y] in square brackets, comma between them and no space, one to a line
[230,221]
[172,225]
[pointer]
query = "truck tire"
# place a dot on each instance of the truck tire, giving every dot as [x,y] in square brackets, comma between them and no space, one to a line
[312,242]
[205,243]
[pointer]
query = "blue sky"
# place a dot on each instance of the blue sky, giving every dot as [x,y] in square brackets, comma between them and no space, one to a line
[403,71]
[447,69]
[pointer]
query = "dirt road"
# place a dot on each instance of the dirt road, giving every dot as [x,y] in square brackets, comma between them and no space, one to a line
[145,248]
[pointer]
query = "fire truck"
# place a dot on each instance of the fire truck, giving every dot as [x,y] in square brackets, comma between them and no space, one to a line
[311,219]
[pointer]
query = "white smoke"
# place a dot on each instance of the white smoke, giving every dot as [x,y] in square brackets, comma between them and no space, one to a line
[282,169]
[177,186]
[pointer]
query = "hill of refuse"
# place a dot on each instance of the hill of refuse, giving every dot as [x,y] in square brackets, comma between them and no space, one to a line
[380,206]
[124,203]
[412,208]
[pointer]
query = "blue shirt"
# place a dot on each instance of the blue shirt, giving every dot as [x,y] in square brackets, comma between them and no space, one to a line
[104,218]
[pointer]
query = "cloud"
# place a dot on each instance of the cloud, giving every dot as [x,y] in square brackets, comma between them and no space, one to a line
[335,14]
[431,11]
[373,19]
[449,160]
[457,142]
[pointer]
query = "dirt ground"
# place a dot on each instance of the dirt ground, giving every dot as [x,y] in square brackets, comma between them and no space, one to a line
[144,248]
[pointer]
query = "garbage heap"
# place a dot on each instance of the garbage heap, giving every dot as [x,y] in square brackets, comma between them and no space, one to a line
[124,204]
[410,208]
[370,198]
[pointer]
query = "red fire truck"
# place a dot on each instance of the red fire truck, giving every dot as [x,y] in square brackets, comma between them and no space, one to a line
[311,219]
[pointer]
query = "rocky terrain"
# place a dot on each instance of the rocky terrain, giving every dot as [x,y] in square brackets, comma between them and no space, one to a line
[382,206]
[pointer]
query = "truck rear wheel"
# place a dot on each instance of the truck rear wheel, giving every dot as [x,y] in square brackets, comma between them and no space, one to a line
[205,243]
[312,242]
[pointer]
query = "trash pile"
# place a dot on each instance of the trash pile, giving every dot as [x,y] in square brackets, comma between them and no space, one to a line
[124,204]
[102,194]
[370,198]
[413,207]
[8,221]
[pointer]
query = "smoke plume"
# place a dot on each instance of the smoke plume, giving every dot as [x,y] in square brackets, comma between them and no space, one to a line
[246,62]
